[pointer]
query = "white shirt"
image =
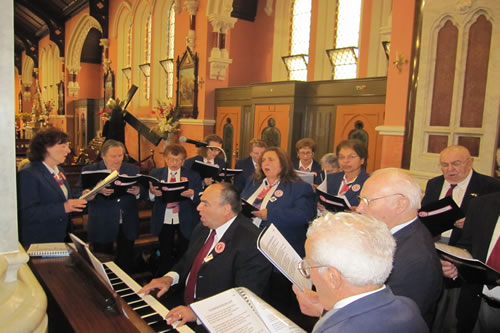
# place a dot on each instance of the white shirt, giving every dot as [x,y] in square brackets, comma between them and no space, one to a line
[219,233]
[401,226]
[170,216]
[55,172]
[307,168]
[342,303]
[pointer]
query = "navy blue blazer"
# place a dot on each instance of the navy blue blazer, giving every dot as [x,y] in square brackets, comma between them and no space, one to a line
[334,180]
[380,312]
[480,223]
[243,178]
[316,168]
[416,271]
[104,213]
[188,215]
[291,208]
[42,218]
[478,185]
[239,264]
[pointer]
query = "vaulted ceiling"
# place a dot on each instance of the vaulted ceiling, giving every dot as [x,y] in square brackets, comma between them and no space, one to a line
[34,19]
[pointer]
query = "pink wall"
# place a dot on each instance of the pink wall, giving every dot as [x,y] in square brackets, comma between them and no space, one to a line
[403,14]
[251,49]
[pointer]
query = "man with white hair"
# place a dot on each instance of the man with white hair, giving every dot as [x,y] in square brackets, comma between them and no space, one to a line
[393,197]
[348,258]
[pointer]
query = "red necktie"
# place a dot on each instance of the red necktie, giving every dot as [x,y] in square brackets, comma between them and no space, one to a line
[59,177]
[195,268]
[450,190]
[494,259]
[173,205]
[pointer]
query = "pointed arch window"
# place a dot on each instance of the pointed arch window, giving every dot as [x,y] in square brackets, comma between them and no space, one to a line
[168,64]
[300,28]
[146,66]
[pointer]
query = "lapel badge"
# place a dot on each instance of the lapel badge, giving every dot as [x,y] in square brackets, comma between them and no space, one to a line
[278,193]
[208,258]
[356,187]
[473,194]
[219,247]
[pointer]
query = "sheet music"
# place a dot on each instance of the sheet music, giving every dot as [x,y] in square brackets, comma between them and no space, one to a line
[282,255]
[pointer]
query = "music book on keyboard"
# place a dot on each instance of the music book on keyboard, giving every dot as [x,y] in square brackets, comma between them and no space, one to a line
[48,250]
[240,310]
[273,245]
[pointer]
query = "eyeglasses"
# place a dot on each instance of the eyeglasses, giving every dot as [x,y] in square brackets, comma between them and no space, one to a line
[305,269]
[368,201]
[347,157]
[455,164]
[305,153]
[213,149]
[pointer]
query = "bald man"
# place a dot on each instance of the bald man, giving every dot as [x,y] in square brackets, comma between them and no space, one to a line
[456,167]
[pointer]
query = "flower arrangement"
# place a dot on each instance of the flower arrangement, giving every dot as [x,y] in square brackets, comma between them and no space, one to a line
[168,119]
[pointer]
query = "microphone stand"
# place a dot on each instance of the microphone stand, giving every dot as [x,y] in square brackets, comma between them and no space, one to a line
[225,160]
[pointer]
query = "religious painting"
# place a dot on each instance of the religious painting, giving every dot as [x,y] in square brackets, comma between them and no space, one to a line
[187,84]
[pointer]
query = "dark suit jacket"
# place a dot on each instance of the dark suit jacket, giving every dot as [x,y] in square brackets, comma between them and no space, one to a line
[104,213]
[479,185]
[316,168]
[416,271]
[334,180]
[480,223]
[381,312]
[240,264]
[290,209]
[42,218]
[243,178]
[188,215]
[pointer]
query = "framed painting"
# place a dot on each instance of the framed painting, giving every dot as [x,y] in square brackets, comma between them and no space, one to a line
[187,84]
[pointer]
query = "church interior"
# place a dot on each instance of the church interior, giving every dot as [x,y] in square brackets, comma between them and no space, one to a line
[408,77]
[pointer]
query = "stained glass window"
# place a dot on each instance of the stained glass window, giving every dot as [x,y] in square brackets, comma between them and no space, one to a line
[347,35]
[299,39]
[147,56]
[170,50]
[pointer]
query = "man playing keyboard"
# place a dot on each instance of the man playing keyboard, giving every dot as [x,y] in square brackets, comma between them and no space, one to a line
[222,254]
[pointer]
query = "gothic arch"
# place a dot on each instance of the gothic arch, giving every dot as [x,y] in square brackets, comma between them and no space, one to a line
[75,46]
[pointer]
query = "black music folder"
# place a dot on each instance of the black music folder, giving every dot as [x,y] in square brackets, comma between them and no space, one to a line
[120,185]
[439,216]
[230,173]
[171,192]
[247,208]
[332,203]
[469,269]
[205,170]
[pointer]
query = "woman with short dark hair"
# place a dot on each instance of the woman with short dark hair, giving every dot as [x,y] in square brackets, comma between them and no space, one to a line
[44,195]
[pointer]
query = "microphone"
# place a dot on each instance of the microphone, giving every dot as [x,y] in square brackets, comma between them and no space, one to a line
[193,142]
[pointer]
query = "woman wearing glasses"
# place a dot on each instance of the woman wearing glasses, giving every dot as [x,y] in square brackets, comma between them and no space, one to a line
[306,163]
[208,155]
[289,203]
[352,155]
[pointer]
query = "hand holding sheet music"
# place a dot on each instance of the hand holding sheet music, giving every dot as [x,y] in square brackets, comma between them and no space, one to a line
[469,269]
[440,216]
[332,203]
[282,255]
[97,182]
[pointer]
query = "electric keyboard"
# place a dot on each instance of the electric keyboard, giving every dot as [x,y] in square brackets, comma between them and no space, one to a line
[147,307]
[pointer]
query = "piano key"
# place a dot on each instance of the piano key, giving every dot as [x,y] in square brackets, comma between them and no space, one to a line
[125,292]
[132,298]
[162,326]
[119,286]
[145,311]
[153,318]
[147,305]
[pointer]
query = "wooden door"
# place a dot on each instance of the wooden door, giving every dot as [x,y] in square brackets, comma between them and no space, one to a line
[272,124]
[348,120]
[227,126]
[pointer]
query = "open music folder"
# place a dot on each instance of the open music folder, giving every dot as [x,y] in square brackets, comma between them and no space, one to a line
[240,310]
[332,203]
[469,269]
[440,216]
[273,245]
[206,170]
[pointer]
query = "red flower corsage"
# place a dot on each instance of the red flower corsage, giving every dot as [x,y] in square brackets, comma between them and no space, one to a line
[219,247]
